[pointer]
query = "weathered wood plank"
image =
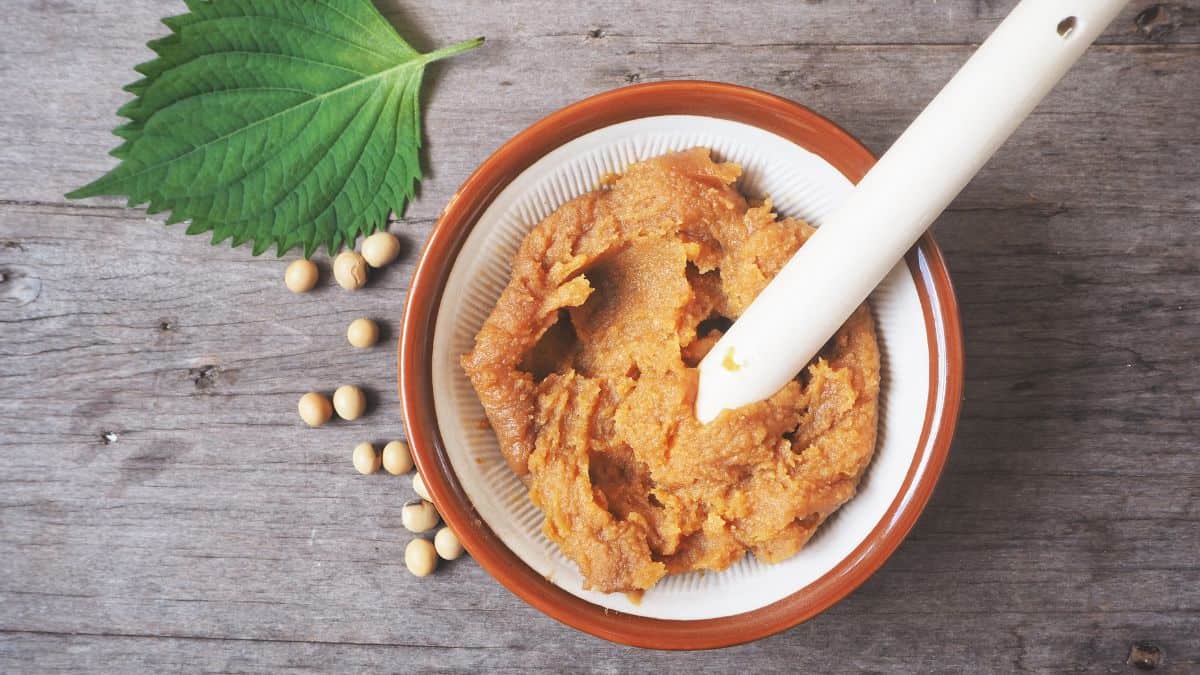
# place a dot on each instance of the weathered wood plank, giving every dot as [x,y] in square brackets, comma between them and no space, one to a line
[161,506]
[835,641]
[211,479]
[828,56]
[1118,104]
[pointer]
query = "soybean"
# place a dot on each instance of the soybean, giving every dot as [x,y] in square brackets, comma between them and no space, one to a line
[315,409]
[419,516]
[349,401]
[300,276]
[365,459]
[447,544]
[397,460]
[420,557]
[350,270]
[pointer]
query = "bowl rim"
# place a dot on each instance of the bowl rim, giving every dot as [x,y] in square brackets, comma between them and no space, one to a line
[414,364]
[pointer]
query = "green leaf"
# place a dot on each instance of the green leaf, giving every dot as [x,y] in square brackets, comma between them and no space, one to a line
[274,122]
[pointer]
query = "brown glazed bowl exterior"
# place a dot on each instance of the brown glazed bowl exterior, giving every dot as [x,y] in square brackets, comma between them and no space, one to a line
[756,108]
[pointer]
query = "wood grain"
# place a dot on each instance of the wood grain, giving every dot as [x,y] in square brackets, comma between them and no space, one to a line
[162,508]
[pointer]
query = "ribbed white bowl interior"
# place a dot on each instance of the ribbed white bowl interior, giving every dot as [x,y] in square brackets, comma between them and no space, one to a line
[802,185]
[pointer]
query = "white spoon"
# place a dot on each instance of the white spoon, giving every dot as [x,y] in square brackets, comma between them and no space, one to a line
[889,209]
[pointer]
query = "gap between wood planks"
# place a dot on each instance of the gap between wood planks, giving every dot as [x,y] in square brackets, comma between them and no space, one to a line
[213,638]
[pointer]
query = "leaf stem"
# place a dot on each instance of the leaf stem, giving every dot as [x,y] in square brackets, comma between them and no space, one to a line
[446,52]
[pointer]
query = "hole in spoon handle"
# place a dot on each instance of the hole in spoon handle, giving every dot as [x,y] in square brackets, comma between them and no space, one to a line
[1066,27]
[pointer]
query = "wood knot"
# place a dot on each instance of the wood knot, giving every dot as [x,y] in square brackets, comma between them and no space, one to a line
[596,33]
[1157,21]
[17,288]
[1144,656]
[204,377]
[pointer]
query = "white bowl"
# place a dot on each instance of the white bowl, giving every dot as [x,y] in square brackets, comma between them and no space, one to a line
[805,163]
[802,185]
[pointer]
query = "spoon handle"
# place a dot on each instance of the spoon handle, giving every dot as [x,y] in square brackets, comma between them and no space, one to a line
[859,243]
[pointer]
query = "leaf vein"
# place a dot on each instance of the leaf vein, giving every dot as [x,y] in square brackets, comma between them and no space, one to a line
[274,154]
[361,151]
[358,160]
[408,48]
[256,123]
[364,47]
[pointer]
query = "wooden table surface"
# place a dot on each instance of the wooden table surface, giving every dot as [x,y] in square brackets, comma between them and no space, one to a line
[162,508]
